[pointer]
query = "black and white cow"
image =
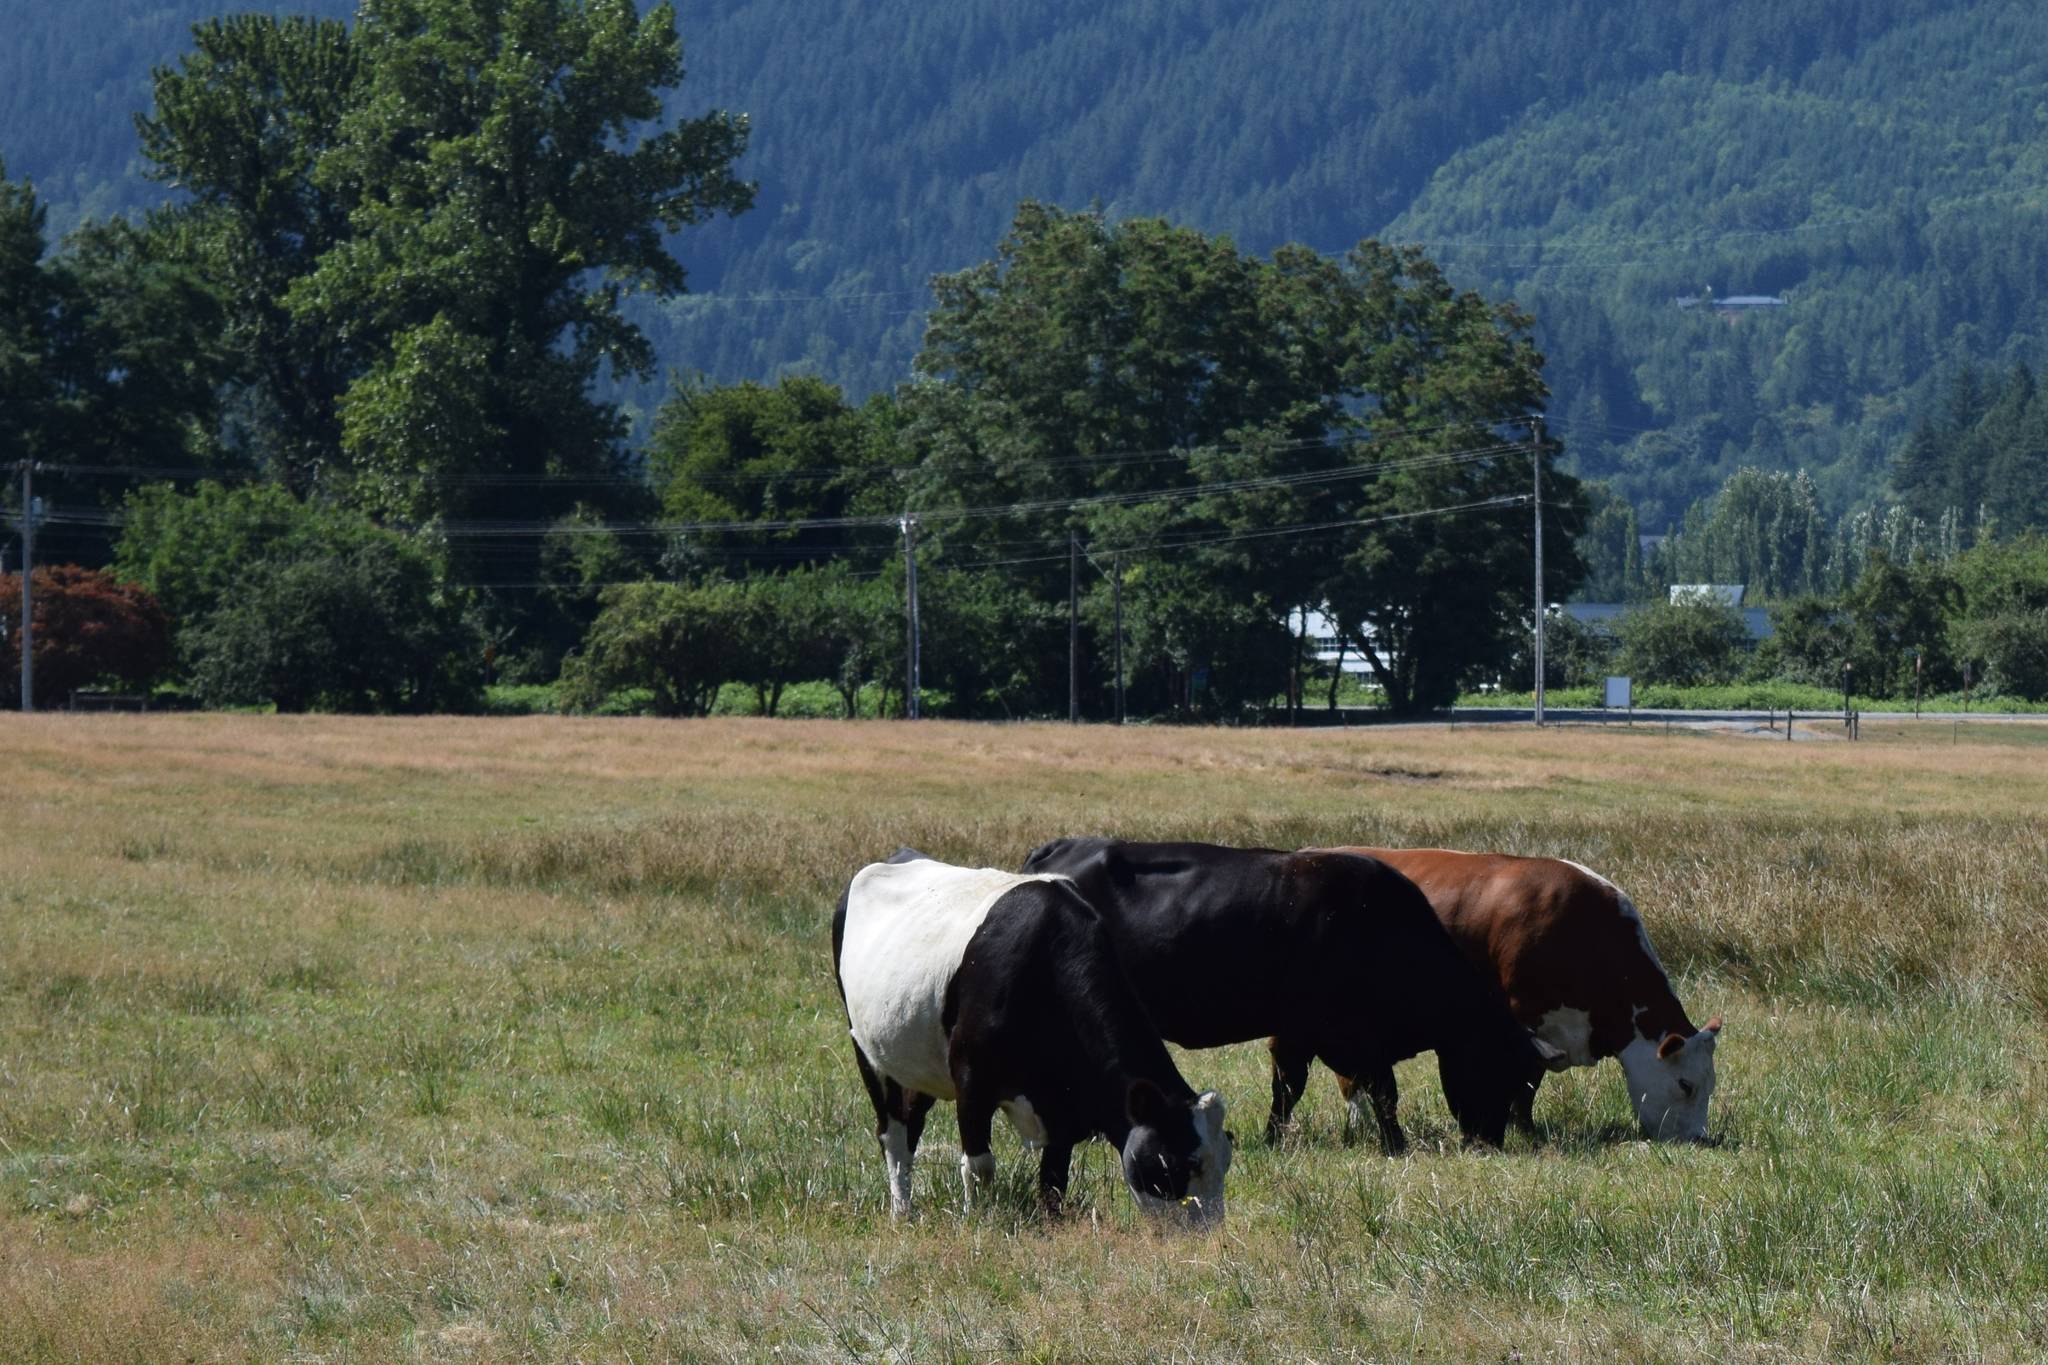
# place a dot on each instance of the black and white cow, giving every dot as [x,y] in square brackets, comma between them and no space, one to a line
[1328,955]
[999,991]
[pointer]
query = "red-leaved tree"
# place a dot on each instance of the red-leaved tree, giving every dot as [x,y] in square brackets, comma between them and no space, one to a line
[89,626]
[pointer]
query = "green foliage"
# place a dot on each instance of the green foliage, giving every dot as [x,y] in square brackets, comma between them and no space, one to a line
[1107,362]
[2012,648]
[195,550]
[673,641]
[2003,627]
[106,357]
[1692,642]
[1611,545]
[367,628]
[1894,614]
[1982,459]
[2004,576]
[89,627]
[424,227]
[29,298]
[683,644]
[1873,162]
[579,558]
[240,125]
[1763,529]
[1575,653]
[1897,613]
[989,647]
[754,452]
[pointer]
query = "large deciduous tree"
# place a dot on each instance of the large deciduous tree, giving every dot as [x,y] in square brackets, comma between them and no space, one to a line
[1272,433]
[426,226]
[240,126]
[107,357]
[1436,585]
[792,451]
[506,192]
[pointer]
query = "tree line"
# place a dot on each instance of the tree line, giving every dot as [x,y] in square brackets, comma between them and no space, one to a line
[368,345]
[1867,161]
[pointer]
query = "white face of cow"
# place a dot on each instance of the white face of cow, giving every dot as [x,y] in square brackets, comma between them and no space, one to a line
[1173,1179]
[1671,1081]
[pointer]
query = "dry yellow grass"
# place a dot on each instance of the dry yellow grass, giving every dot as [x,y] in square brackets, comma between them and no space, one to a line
[480,1040]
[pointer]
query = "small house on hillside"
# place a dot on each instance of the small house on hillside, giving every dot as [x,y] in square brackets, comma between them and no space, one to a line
[1731,303]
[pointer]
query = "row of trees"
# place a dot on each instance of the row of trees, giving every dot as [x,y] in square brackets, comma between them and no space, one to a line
[1590,160]
[382,309]
[1227,437]
[1766,531]
[1901,626]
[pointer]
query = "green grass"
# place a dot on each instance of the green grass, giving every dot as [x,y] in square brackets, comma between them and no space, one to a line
[516,1039]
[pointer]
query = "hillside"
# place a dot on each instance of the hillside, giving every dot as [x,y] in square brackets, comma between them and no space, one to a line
[1876,162]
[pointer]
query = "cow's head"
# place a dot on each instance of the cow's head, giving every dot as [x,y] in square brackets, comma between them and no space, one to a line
[1484,1081]
[1670,1082]
[1176,1155]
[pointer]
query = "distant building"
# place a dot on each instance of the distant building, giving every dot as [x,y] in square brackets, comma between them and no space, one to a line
[1731,303]
[1604,616]
[1728,594]
[1322,639]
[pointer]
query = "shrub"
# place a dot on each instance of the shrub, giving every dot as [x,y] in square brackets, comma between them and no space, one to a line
[89,627]
[1685,643]
[367,629]
[197,550]
[677,642]
[2014,649]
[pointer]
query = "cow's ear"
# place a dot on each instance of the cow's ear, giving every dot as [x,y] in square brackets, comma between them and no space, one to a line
[1713,1025]
[1146,1104]
[1554,1057]
[1668,1049]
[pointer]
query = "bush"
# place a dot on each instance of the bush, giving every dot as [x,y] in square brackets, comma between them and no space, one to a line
[364,630]
[2014,649]
[196,551]
[679,643]
[89,627]
[1686,643]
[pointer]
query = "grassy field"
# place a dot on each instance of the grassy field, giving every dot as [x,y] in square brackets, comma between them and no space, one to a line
[361,1040]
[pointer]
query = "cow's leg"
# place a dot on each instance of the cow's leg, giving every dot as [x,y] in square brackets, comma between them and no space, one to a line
[1522,1109]
[1054,1163]
[977,1163]
[899,1119]
[1290,1077]
[1373,1083]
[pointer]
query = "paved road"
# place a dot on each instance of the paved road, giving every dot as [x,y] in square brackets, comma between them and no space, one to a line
[1713,717]
[1812,724]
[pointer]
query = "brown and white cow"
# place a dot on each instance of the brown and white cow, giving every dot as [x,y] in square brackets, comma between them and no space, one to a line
[1570,951]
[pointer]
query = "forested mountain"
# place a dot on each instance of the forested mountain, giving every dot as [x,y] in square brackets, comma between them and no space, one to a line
[1877,164]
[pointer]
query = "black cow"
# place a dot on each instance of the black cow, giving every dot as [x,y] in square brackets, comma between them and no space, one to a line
[1000,991]
[1328,955]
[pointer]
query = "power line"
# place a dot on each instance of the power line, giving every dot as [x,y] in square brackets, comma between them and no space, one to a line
[1092,548]
[1135,455]
[108,518]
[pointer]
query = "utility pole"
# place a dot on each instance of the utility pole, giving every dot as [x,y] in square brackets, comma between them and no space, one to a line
[910,678]
[1536,505]
[1073,627]
[28,559]
[1117,593]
